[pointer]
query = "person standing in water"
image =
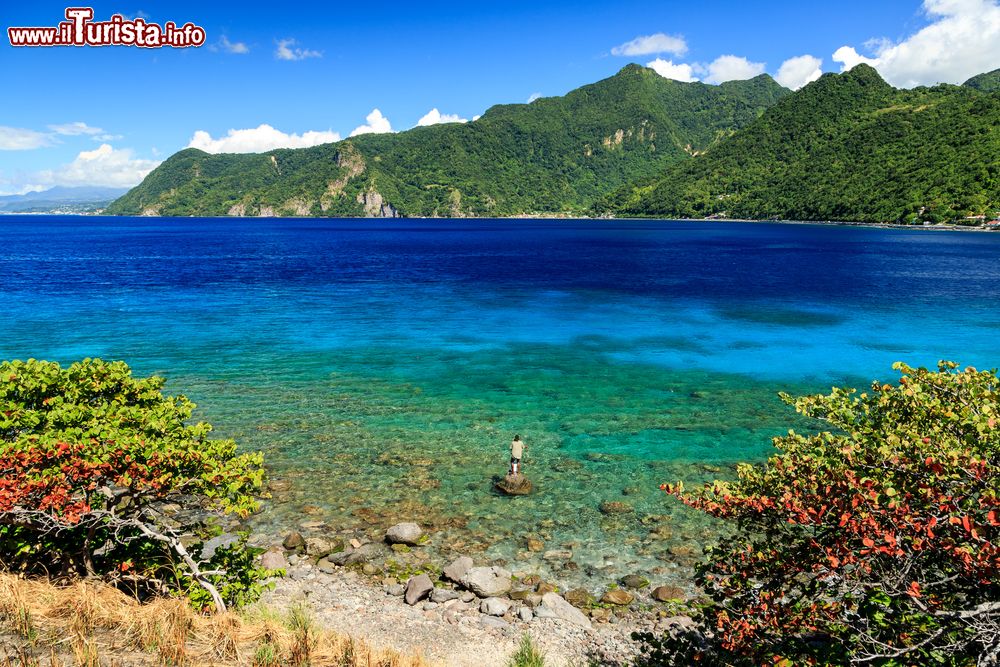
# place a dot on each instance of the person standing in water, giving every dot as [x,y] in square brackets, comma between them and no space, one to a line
[516,454]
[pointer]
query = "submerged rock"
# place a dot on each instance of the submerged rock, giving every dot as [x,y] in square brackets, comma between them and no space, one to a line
[513,485]
[404,533]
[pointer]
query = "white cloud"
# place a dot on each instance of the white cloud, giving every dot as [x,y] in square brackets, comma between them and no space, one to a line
[102,166]
[258,140]
[435,117]
[22,139]
[732,68]
[798,71]
[234,47]
[962,40]
[75,129]
[534,96]
[669,70]
[288,51]
[377,124]
[649,44]
[848,57]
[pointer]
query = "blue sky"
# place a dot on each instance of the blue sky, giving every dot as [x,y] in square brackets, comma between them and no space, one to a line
[107,115]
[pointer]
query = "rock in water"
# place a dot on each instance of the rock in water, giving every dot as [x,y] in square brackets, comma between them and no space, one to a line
[514,485]
[404,533]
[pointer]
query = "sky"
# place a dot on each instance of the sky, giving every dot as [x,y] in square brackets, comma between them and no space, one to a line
[301,73]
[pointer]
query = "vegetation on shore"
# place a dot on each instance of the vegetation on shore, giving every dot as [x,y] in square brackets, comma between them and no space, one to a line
[846,147]
[877,542]
[101,475]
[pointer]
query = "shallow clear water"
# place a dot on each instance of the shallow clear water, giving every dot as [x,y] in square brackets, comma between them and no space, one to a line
[384,366]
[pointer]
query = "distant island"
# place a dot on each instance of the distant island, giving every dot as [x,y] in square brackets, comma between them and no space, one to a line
[847,147]
[61,200]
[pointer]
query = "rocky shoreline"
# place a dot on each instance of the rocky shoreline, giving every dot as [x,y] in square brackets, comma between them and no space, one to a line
[460,613]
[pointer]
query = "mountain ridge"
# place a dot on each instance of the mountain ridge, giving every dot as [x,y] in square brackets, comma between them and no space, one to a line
[554,155]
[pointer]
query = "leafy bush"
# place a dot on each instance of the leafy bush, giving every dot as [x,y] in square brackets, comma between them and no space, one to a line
[100,474]
[877,542]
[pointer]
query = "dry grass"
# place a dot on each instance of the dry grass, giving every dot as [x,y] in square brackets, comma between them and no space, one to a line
[93,625]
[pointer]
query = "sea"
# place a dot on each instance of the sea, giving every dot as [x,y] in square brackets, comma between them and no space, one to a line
[384,366]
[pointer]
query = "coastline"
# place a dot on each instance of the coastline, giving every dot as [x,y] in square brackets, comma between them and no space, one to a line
[937,227]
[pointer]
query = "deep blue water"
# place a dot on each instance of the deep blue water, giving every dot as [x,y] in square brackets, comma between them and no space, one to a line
[358,353]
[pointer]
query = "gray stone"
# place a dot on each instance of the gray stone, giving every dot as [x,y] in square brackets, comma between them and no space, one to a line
[209,547]
[458,568]
[468,596]
[635,581]
[440,595]
[430,606]
[364,553]
[273,560]
[395,590]
[554,606]
[317,547]
[492,622]
[525,614]
[324,565]
[404,533]
[494,607]
[417,588]
[487,582]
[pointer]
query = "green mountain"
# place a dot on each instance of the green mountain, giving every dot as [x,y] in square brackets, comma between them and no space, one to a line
[558,154]
[846,147]
[988,82]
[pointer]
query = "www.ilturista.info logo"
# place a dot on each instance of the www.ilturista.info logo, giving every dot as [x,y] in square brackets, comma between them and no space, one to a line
[79,29]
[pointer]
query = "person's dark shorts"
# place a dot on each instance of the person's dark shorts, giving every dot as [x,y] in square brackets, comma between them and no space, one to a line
[513,461]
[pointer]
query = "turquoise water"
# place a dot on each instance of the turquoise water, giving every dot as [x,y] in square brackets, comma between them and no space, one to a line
[384,366]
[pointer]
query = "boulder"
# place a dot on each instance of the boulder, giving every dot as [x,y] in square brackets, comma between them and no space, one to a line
[554,606]
[293,541]
[494,607]
[417,588]
[364,554]
[486,582]
[273,560]
[634,581]
[404,533]
[492,622]
[666,593]
[513,485]
[579,597]
[210,546]
[617,596]
[525,614]
[317,547]
[441,595]
[457,569]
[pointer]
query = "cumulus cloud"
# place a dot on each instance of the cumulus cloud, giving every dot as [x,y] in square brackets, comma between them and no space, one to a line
[238,48]
[22,139]
[670,70]
[731,68]
[288,51]
[798,71]
[258,140]
[534,96]
[377,124]
[102,166]
[435,117]
[649,44]
[962,40]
